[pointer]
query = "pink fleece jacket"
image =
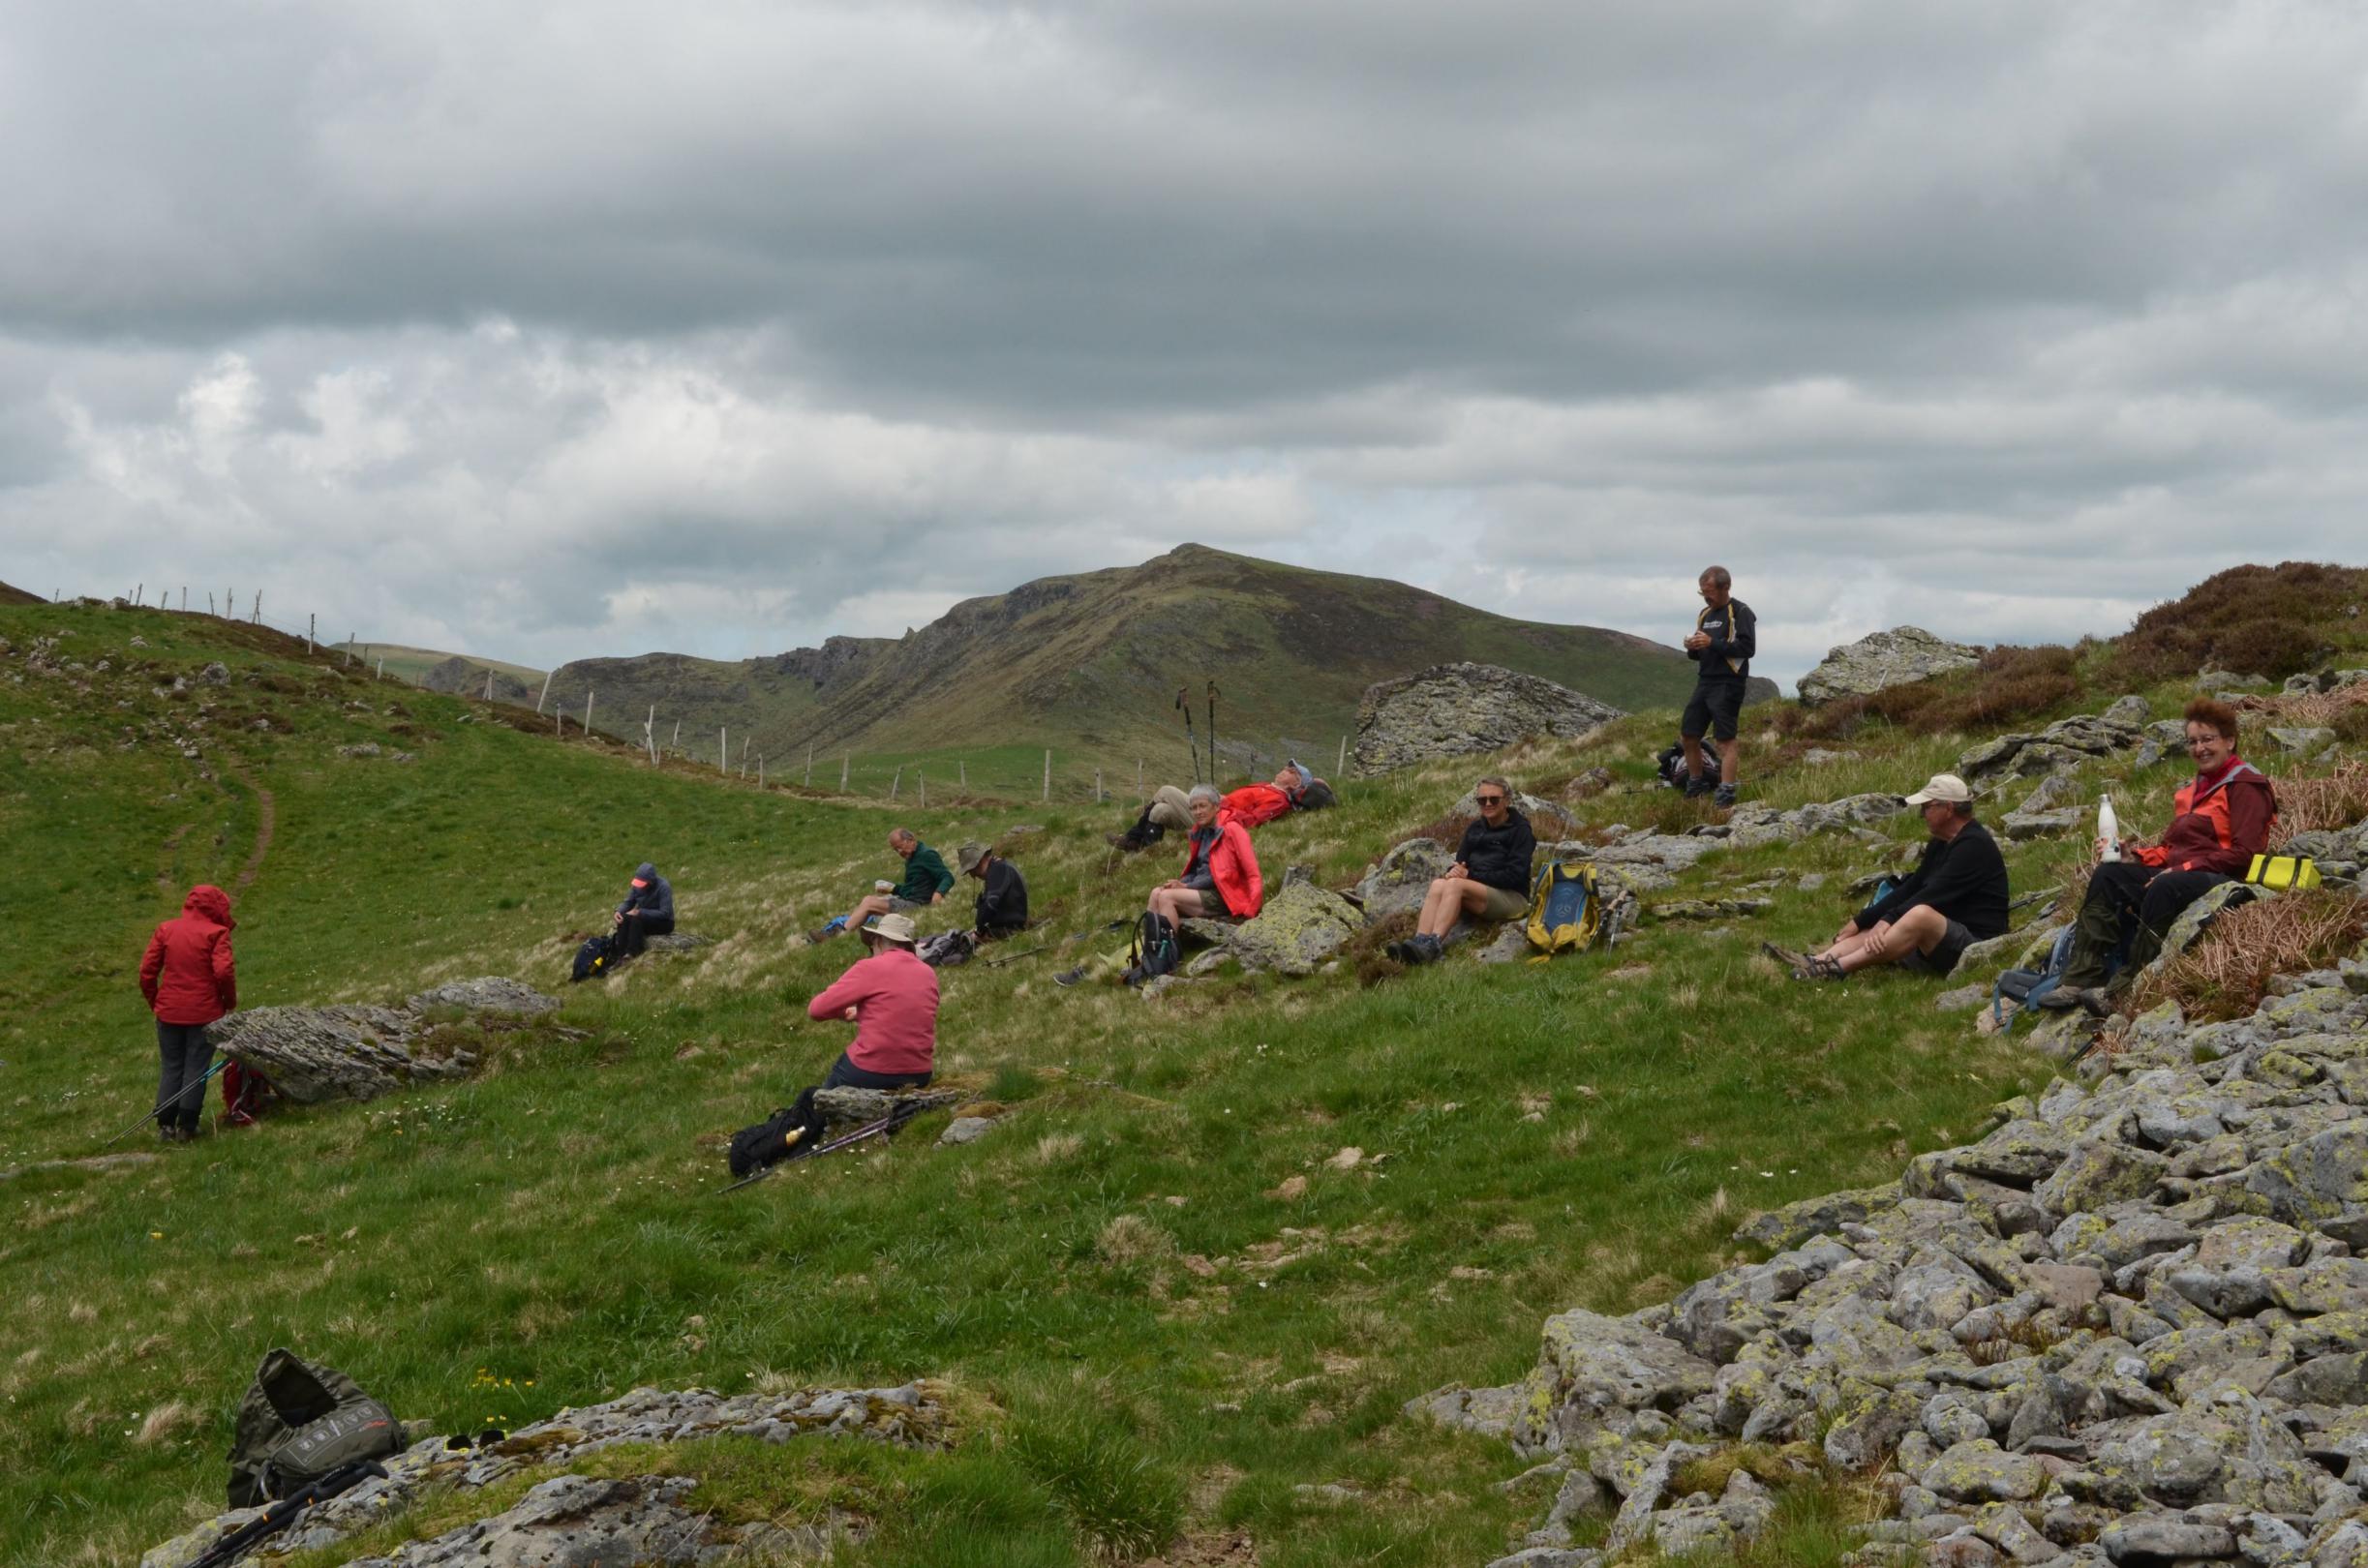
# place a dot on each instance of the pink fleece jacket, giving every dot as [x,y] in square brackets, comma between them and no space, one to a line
[895,997]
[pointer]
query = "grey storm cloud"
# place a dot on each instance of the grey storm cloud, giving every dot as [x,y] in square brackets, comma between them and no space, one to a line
[550,330]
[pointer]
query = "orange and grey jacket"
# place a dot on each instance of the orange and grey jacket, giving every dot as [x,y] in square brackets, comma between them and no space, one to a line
[2220,821]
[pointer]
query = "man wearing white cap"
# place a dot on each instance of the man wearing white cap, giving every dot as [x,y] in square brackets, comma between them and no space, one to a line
[1954,898]
[891,997]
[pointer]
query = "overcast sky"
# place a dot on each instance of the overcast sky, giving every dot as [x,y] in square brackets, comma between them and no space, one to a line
[554,330]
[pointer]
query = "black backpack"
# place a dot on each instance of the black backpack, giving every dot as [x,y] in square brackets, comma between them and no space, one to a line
[300,1422]
[1314,797]
[1673,766]
[769,1142]
[592,958]
[1154,950]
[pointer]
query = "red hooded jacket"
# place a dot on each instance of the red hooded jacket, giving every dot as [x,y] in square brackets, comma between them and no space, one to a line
[188,976]
[1234,866]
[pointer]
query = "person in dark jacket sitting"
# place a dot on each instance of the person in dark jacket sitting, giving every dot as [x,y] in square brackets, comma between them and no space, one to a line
[1489,881]
[1002,908]
[647,911]
[1954,898]
[2221,819]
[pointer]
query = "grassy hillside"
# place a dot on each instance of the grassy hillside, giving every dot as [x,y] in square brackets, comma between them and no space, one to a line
[1090,665]
[1167,1299]
[409,664]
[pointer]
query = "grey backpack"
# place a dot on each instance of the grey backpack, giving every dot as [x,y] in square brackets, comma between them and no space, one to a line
[300,1423]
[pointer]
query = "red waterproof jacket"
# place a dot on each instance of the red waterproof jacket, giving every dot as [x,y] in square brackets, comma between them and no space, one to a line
[1254,806]
[188,976]
[1233,864]
[2218,822]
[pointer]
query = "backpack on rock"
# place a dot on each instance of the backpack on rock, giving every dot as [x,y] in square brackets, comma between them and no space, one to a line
[299,1424]
[1565,910]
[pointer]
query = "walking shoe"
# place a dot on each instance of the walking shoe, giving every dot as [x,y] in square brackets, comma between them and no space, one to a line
[1784,955]
[168,1133]
[1422,950]
[1070,977]
[1724,795]
[1697,788]
[2065,998]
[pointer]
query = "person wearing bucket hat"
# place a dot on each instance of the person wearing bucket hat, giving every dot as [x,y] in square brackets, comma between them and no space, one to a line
[1002,907]
[891,997]
[1956,896]
[647,911]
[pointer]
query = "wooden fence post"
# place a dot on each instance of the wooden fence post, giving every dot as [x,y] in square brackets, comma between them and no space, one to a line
[588,701]
[312,623]
[1340,769]
[258,607]
[895,783]
[185,598]
[809,765]
[676,745]
[963,773]
[760,770]
[1047,775]
[648,726]
[1097,786]
[923,779]
[723,749]
[381,667]
[844,760]
[209,601]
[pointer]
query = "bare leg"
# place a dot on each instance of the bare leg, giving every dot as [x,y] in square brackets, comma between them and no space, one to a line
[1693,754]
[876,904]
[1918,930]
[1728,751]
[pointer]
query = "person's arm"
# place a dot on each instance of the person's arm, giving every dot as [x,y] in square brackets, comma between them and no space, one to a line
[1742,638]
[1905,895]
[995,904]
[660,908]
[1953,886]
[1520,854]
[945,877]
[226,973]
[152,965]
[834,999]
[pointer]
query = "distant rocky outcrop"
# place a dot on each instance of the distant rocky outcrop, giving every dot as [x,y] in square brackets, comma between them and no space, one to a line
[1881,660]
[361,1051]
[467,679]
[579,1521]
[1461,709]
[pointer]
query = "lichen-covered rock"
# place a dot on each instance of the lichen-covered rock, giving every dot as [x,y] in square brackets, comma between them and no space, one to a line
[579,1521]
[2065,744]
[1300,926]
[360,1052]
[488,993]
[1461,709]
[1397,884]
[1882,660]
[1591,1365]
[1981,1471]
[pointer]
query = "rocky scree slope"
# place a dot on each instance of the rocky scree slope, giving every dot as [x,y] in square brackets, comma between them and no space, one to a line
[2130,1325]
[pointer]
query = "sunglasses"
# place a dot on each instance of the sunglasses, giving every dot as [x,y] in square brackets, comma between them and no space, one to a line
[1490,799]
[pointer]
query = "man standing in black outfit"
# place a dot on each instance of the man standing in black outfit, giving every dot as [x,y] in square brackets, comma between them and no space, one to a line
[1725,637]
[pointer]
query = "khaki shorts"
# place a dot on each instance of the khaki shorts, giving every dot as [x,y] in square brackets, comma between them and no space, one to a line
[1503,904]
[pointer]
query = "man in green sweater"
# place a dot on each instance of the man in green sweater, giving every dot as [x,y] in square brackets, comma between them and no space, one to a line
[927,881]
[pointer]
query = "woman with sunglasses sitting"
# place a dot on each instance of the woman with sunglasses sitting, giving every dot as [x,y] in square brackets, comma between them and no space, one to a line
[2222,818]
[1489,881]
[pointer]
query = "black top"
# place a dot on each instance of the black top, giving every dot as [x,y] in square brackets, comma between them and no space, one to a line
[655,902]
[1003,908]
[1500,857]
[1734,634]
[1963,877]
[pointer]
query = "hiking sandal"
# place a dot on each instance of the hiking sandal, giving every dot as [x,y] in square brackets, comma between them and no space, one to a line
[1821,966]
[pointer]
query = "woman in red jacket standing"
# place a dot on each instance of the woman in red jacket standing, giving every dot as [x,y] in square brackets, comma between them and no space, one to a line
[190,979]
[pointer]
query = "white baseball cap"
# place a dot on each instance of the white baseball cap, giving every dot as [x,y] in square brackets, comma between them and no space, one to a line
[1945,787]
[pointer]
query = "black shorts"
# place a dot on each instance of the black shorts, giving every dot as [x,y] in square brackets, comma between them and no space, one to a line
[1715,708]
[1945,952]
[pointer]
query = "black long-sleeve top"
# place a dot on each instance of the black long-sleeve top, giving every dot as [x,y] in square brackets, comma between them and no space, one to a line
[1963,877]
[1003,908]
[1734,632]
[1500,857]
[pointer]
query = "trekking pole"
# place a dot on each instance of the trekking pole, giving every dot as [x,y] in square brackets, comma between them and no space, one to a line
[890,1123]
[283,1512]
[159,1110]
[1014,957]
[1192,743]
[1212,733]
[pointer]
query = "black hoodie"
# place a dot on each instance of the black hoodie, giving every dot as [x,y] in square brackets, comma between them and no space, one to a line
[653,902]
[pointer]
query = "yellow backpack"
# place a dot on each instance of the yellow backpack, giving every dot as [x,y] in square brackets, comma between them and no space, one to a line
[1565,910]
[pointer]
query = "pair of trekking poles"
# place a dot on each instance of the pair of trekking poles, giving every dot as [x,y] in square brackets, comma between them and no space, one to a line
[1183,704]
[187,1089]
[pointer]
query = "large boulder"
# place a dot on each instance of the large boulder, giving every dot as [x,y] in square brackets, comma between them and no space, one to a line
[2065,744]
[1882,660]
[1300,926]
[1461,709]
[360,1052]
[1396,885]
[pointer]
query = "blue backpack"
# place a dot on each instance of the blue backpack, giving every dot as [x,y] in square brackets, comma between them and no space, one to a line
[2026,986]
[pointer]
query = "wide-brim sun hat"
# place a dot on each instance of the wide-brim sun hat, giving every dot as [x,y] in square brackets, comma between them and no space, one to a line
[969,856]
[897,928]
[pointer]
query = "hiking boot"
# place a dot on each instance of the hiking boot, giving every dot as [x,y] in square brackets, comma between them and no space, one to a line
[1724,795]
[1070,977]
[1697,788]
[1422,950]
[2065,998]
[168,1133]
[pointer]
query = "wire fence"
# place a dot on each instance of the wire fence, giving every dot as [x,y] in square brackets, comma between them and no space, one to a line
[1001,773]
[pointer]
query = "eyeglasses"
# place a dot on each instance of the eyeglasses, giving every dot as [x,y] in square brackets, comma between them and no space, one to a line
[2197,743]
[1490,799]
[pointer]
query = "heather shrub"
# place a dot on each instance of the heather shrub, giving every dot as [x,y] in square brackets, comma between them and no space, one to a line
[2228,972]
[2266,620]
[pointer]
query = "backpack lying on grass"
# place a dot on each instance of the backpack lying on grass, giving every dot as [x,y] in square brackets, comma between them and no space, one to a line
[948,948]
[1672,764]
[1154,950]
[594,959]
[780,1137]
[1565,908]
[300,1424]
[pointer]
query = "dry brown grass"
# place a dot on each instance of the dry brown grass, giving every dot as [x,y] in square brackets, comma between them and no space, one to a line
[2227,974]
[2332,800]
